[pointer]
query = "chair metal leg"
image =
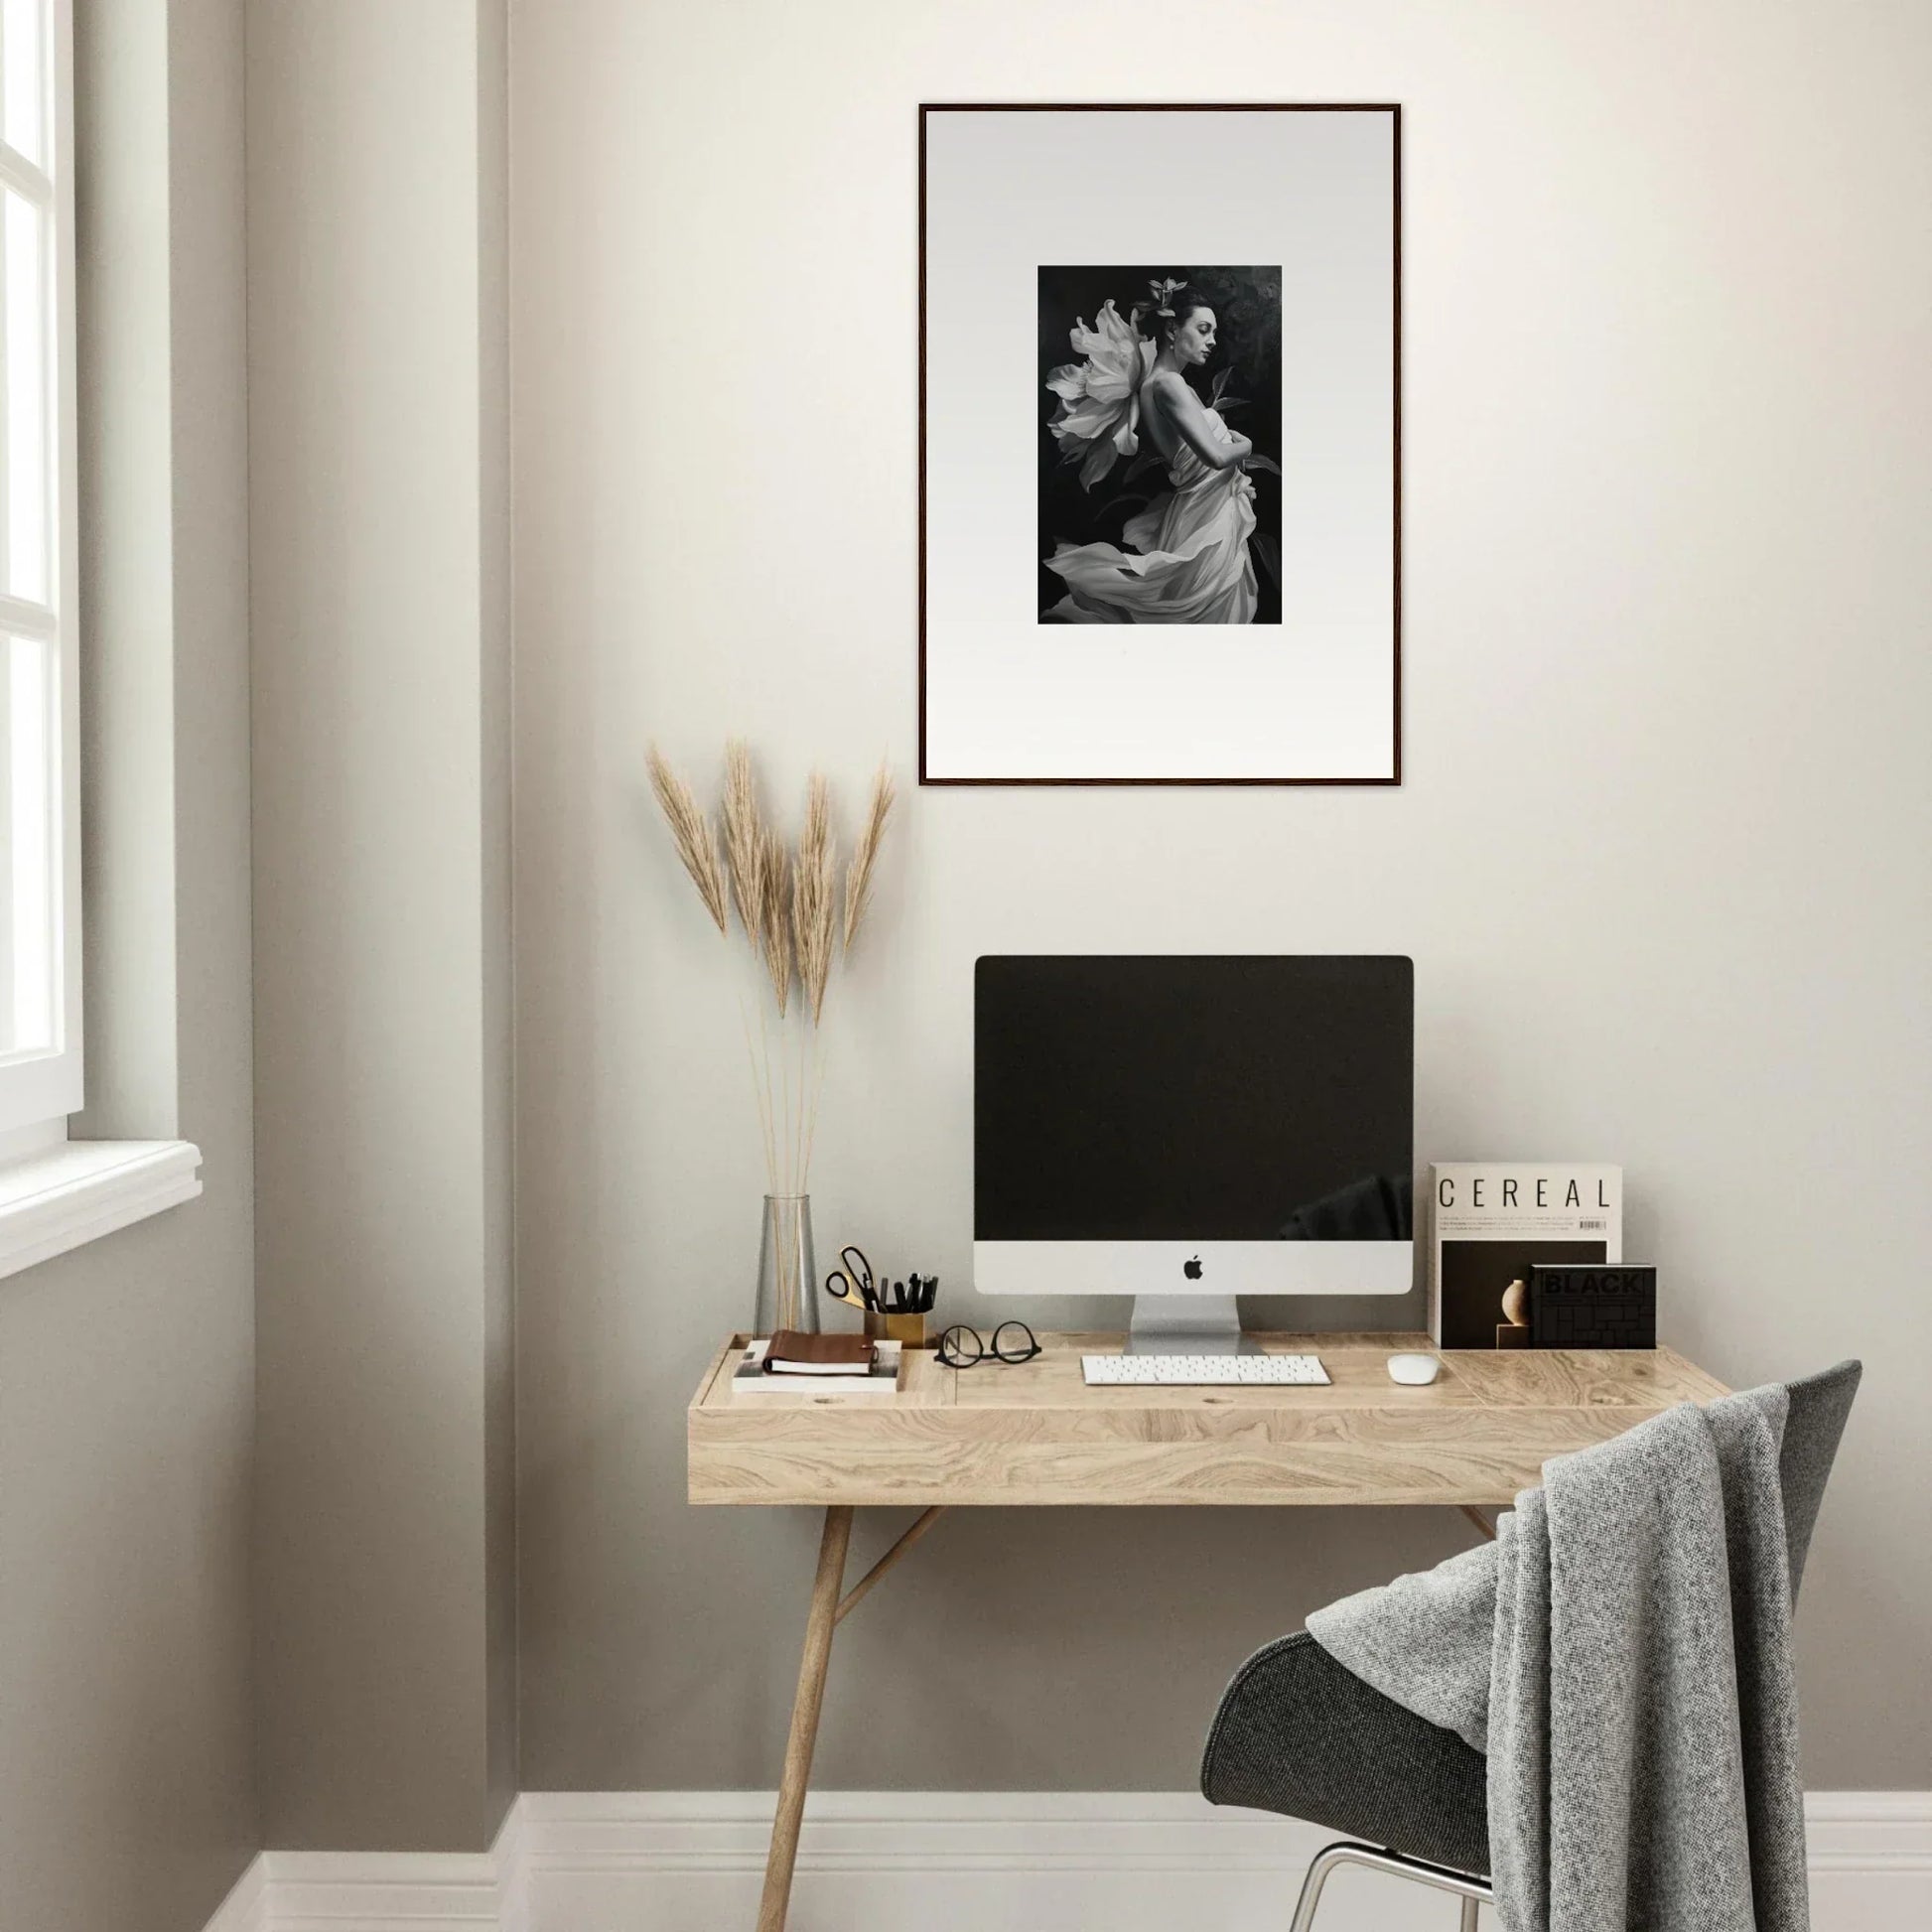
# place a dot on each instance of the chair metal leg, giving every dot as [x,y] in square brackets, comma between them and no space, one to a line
[1472,1890]
[1325,1862]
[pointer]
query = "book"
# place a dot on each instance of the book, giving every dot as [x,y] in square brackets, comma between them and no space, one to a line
[790,1353]
[1491,1221]
[1593,1306]
[751,1378]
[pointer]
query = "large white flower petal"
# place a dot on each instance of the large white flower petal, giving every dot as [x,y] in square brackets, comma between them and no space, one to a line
[1086,340]
[1111,325]
[1086,419]
[1097,417]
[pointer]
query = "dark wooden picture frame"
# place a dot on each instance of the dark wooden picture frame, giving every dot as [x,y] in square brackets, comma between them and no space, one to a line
[1393,776]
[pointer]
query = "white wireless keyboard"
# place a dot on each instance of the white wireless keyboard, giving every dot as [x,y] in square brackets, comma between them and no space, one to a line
[1202,1371]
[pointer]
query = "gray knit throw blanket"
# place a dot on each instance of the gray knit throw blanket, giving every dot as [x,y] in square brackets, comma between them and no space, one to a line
[1622,1652]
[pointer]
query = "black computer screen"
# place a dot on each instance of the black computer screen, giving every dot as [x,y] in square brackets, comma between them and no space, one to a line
[1243,1098]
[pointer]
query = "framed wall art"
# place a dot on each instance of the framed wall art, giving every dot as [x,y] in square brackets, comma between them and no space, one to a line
[1159,376]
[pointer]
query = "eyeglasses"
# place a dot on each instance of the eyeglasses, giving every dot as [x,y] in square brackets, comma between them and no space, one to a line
[1013,1341]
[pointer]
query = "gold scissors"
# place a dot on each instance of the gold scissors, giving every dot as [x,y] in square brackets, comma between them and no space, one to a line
[852,1281]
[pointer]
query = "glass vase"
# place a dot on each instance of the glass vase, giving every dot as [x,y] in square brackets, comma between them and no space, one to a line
[787,1267]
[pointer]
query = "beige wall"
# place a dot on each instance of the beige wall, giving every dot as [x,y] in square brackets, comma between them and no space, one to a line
[379,473]
[126,1368]
[1659,856]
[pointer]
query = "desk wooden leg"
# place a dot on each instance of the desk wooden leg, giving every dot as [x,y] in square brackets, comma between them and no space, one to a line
[819,1623]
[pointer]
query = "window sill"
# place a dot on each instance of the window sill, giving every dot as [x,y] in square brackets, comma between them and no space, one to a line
[82,1190]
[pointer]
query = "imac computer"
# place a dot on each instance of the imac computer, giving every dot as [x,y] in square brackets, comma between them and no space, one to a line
[1188,1128]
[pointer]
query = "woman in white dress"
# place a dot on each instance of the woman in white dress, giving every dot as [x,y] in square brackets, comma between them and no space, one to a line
[1188,562]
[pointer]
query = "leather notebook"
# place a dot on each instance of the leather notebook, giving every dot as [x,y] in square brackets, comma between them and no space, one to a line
[793,1353]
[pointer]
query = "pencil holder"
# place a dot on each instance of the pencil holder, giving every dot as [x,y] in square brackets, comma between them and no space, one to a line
[906,1328]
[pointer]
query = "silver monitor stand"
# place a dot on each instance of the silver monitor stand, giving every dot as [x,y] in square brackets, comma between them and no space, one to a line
[1187,1324]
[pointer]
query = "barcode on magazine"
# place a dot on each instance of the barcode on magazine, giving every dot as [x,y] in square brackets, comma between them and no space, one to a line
[1599,1226]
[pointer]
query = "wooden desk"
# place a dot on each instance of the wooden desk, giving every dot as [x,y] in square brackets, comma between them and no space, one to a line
[1032,1435]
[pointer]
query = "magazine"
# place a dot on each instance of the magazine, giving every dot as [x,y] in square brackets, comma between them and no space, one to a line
[1490,1220]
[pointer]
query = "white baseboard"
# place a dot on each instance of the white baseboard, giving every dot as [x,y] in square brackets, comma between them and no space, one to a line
[386,1892]
[1869,1854]
[953,1862]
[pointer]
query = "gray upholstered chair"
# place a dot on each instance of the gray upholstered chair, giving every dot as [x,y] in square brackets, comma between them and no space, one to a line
[1297,1734]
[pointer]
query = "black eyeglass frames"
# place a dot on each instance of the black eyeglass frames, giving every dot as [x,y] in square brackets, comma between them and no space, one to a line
[962,1347]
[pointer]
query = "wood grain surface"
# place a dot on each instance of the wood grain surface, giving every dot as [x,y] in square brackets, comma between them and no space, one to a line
[1033,1434]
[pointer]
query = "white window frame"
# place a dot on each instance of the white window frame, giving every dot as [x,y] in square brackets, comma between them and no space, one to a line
[41,1087]
[55,1192]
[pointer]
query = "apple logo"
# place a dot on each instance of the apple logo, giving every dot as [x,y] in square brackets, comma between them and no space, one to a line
[1192,1269]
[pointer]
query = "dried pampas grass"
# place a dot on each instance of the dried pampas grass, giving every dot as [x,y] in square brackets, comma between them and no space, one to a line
[814,895]
[744,842]
[858,874]
[691,833]
[787,903]
[774,917]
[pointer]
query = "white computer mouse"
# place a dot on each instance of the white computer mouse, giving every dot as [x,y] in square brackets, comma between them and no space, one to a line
[1415,1370]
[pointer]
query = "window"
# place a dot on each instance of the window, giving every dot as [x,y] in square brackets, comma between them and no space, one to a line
[55,1192]
[40,843]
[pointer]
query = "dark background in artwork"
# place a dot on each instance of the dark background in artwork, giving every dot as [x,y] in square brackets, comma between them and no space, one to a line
[1475,1274]
[1247,304]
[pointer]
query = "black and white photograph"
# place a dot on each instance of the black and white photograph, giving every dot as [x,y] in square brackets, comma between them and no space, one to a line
[1160,445]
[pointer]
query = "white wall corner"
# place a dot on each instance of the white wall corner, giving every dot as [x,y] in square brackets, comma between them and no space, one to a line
[245,1909]
[511,1857]
[954,1861]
